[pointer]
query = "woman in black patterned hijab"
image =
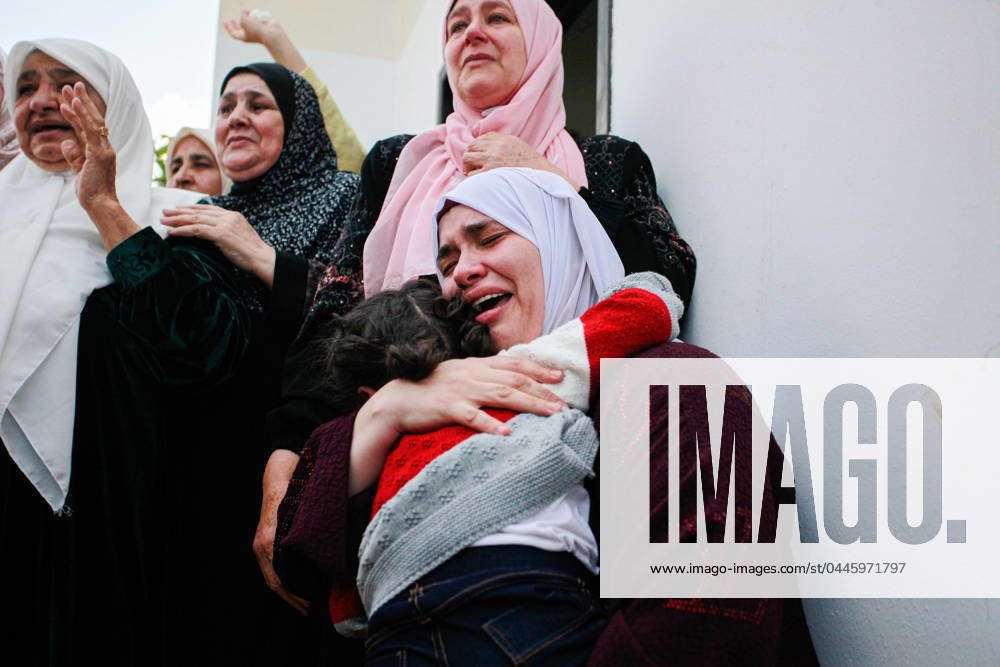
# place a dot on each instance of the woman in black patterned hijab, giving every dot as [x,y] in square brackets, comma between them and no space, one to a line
[272,143]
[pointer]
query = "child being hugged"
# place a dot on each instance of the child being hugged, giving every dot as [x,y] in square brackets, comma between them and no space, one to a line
[443,491]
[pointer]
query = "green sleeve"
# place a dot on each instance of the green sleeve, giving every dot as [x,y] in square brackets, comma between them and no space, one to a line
[179,307]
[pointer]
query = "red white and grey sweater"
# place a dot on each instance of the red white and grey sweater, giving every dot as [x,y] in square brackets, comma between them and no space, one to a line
[494,481]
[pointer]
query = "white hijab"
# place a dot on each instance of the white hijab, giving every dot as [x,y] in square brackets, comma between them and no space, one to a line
[579,262]
[205,137]
[52,258]
[8,136]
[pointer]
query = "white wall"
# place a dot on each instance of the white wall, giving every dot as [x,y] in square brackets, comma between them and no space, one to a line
[836,166]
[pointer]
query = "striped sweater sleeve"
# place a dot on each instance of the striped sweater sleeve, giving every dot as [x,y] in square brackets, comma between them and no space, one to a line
[638,312]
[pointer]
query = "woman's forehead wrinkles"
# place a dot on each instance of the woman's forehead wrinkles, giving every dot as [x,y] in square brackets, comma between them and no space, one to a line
[246,92]
[62,72]
[43,62]
[471,229]
[461,7]
[193,157]
[53,72]
[53,68]
[474,228]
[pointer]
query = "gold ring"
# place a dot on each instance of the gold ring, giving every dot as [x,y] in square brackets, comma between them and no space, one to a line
[104,130]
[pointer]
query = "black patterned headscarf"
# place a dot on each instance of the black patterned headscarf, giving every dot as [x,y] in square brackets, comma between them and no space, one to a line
[299,205]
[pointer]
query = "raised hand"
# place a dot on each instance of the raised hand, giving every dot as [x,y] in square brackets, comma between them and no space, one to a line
[253,28]
[91,155]
[259,28]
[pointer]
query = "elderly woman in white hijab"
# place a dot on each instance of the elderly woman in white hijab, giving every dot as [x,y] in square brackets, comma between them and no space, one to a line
[8,136]
[72,103]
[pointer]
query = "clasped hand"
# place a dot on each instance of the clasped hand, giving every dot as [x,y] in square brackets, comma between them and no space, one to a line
[493,150]
[228,230]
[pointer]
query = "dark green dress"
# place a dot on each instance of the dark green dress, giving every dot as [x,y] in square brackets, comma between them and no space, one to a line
[179,360]
[98,577]
[151,563]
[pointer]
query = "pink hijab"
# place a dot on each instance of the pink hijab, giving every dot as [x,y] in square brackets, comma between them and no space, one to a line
[8,136]
[431,163]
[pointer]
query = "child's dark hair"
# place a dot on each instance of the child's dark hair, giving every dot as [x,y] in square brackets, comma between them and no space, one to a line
[403,333]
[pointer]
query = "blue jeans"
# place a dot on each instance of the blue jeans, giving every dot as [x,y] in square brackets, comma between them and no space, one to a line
[490,606]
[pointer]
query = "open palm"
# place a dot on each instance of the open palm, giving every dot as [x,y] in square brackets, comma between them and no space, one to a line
[90,155]
[249,28]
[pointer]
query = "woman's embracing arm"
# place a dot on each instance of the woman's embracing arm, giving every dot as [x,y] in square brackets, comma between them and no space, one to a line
[343,458]
[277,475]
[304,526]
[455,393]
[639,311]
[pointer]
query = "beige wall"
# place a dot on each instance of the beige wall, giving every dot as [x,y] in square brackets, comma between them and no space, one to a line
[380,58]
[369,28]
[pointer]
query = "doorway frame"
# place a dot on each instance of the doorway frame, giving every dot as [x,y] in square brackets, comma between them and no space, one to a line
[602,102]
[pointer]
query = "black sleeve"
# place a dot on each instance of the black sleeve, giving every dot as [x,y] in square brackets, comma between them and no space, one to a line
[305,404]
[631,242]
[675,258]
[623,196]
[340,286]
[288,294]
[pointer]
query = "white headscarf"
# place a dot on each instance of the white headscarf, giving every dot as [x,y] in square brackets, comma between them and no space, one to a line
[52,258]
[579,261]
[8,135]
[205,137]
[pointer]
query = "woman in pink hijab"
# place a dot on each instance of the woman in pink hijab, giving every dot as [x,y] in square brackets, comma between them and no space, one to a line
[9,148]
[504,64]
